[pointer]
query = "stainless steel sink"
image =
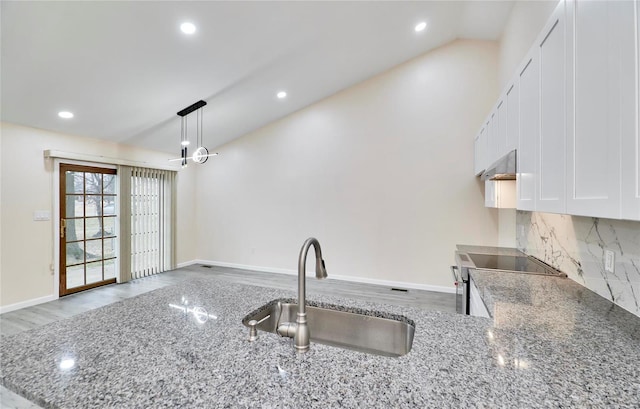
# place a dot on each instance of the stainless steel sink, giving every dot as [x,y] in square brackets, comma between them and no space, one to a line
[389,336]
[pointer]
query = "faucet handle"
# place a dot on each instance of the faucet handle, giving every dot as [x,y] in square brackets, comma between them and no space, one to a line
[287,329]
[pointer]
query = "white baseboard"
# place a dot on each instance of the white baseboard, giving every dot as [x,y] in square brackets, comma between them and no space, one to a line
[396,284]
[385,283]
[248,267]
[28,303]
[187,263]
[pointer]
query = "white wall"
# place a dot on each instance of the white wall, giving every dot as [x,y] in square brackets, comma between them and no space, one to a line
[26,179]
[186,249]
[379,173]
[507,227]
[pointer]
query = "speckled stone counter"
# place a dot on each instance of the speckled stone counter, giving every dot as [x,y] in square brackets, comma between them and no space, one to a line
[564,338]
[153,351]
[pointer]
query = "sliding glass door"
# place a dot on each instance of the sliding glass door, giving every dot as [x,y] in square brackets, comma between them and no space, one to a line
[88,240]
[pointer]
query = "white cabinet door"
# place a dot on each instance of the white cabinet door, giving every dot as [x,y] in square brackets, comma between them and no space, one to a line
[630,208]
[552,154]
[512,117]
[480,149]
[476,155]
[492,144]
[501,131]
[603,44]
[529,134]
[631,178]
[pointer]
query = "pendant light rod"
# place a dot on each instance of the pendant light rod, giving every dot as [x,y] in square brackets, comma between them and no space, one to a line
[198,128]
[192,108]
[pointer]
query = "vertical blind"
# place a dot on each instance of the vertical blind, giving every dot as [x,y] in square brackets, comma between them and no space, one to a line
[148,198]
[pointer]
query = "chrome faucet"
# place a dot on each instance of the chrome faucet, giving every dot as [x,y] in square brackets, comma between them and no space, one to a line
[300,330]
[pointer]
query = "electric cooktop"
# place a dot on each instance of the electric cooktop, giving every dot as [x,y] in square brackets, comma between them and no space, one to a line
[524,264]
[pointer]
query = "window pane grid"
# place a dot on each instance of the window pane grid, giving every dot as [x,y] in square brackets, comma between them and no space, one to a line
[90,212]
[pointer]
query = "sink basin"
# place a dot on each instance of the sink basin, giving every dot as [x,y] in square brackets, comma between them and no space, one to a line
[391,335]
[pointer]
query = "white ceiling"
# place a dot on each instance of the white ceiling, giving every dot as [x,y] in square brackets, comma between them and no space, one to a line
[125,68]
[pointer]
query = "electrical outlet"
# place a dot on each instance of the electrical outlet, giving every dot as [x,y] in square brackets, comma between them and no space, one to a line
[609,261]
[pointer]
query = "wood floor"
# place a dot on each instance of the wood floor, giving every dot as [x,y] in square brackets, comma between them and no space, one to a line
[33,317]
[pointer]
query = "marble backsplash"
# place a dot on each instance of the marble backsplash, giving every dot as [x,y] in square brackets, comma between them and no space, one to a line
[576,245]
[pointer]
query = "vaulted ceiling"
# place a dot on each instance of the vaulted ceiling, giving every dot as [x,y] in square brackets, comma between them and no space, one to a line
[125,68]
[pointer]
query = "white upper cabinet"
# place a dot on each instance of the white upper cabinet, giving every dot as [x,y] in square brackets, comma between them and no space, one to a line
[512,117]
[573,113]
[529,132]
[603,41]
[553,89]
[630,170]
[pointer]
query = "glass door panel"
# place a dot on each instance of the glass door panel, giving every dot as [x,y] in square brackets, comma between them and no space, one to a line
[94,272]
[93,206]
[88,228]
[109,184]
[109,226]
[75,253]
[74,276]
[109,269]
[94,229]
[93,182]
[93,251]
[74,206]
[109,249]
[75,229]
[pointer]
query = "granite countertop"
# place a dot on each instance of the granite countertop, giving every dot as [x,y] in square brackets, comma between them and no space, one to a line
[564,337]
[149,352]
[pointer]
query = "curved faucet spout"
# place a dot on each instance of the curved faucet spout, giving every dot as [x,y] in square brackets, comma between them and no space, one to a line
[301,339]
[321,272]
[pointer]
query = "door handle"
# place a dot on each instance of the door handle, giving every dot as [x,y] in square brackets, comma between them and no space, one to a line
[454,273]
[63,228]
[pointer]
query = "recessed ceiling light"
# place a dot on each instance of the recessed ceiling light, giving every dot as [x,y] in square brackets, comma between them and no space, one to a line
[281,94]
[188,28]
[65,114]
[421,26]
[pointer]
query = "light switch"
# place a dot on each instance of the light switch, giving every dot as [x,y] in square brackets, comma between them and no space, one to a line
[41,215]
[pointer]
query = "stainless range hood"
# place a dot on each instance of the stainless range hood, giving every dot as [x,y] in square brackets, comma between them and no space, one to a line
[502,169]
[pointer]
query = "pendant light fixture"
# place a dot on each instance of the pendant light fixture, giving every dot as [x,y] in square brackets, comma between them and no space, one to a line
[201,154]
